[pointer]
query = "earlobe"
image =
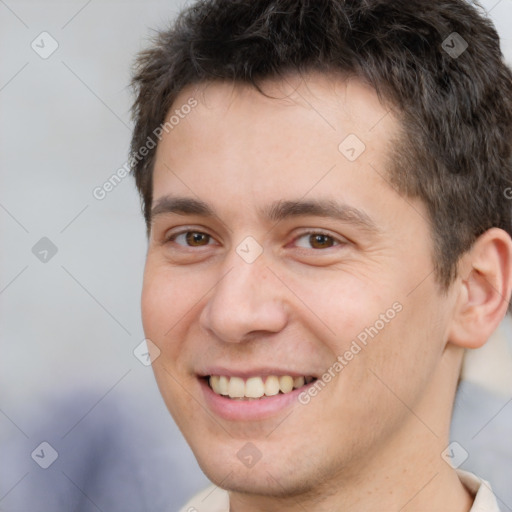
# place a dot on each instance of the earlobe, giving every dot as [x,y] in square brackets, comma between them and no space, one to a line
[484,290]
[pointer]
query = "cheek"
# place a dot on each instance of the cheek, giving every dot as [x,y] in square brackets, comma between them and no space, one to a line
[405,355]
[342,304]
[169,306]
[164,298]
[163,309]
[160,307]
[376,325]
[151,306]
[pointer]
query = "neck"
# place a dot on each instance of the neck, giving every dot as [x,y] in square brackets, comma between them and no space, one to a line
[407,473]
[409,483]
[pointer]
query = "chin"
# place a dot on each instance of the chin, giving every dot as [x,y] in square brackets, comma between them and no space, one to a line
[273,478]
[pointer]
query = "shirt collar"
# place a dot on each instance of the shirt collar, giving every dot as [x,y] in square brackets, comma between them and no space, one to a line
[485,500]
[214,499]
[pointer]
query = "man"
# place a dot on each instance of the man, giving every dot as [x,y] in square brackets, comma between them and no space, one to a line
[325,190]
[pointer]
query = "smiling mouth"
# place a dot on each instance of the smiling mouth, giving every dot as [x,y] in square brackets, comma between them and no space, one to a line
[256,388]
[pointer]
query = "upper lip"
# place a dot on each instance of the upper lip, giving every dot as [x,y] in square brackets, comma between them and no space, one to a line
[252,372]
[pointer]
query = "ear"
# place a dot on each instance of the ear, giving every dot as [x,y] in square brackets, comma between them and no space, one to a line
[484,288]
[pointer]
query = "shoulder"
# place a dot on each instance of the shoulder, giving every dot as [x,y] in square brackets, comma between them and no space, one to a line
[211,499]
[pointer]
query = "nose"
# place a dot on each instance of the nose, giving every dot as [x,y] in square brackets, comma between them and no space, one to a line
[247,302]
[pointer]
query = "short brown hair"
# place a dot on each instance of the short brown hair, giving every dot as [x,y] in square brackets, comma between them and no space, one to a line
[454,103]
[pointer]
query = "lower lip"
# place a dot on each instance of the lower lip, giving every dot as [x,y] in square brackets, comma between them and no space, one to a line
[248,410]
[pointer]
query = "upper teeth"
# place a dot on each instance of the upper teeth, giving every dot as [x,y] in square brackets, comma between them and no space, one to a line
[255,387]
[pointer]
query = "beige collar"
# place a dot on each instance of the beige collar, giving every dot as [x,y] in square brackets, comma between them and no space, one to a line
[214,499]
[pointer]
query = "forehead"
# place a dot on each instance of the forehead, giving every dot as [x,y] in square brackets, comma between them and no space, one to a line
[332,98]
[300,115]
[317,136]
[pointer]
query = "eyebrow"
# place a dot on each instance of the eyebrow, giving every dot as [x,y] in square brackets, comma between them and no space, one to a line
[275,212]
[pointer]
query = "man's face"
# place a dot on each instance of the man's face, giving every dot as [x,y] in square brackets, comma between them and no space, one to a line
[259,290]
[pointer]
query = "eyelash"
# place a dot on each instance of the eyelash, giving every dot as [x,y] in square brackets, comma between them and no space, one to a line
[337,241]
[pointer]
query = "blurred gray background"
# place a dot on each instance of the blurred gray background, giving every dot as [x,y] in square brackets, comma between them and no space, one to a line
[71,273]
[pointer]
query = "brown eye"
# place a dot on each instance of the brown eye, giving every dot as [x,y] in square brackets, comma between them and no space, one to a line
[192,238]
[318,240]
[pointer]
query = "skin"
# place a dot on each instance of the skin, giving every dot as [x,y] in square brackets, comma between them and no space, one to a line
[372,439]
